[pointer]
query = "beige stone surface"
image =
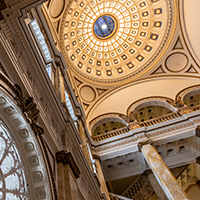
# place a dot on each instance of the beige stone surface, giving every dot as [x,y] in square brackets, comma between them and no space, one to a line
[157,188]
[67,188]
[100,176]
[163,175]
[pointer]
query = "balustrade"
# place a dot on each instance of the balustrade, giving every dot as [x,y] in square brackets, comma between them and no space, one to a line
[135,125]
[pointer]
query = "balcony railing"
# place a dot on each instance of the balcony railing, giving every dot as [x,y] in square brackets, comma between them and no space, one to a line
[110,134]
[117,197]
[135,125]
[160,119]
[195,108]
[136,187]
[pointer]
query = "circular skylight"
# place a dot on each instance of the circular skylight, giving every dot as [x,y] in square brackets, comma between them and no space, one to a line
[104,27]
[112,41]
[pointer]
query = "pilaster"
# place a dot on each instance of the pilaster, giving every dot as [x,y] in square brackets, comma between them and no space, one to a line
[67,172]
[100,176]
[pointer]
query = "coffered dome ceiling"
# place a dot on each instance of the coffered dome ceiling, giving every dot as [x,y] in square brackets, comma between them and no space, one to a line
[113,41]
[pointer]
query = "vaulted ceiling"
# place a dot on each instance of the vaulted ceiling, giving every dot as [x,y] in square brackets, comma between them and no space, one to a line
[120,52]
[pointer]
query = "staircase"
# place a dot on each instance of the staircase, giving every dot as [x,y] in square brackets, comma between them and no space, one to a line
[117,197]
[141,188]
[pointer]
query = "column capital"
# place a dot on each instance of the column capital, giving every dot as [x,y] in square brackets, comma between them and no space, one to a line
[67,159]
[140,144]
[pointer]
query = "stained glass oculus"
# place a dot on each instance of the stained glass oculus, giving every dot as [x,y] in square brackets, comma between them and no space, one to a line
[105,26]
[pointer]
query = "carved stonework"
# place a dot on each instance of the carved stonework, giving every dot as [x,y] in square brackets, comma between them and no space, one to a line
[40,193]
[2,100]
[29,146]
[34,160]
[177,103]
[67,159]
[29,108]
[38,176]
[10,110]
[140,144]
[24,133]
[129,118]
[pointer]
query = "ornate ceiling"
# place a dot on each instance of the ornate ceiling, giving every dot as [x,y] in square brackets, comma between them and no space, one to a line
[112,63]
[112,41]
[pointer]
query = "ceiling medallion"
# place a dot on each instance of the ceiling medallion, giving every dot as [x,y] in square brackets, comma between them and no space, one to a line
[112,41]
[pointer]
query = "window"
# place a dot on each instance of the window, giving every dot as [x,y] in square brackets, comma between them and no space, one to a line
[69,105]
[41,40]
[12,181]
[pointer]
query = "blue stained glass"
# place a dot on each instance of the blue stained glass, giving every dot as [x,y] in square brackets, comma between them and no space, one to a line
[104,26]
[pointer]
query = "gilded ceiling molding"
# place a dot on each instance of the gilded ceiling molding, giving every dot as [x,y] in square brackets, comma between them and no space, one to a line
[138,36]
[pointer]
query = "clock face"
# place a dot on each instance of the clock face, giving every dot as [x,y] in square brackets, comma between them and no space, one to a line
[114,41]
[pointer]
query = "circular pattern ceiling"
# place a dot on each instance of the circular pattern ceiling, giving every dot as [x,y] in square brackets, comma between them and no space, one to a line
[110,41]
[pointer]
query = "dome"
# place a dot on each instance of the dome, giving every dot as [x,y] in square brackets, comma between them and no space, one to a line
[112,41]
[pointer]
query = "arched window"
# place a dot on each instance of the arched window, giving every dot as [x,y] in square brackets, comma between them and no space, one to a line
[12,175]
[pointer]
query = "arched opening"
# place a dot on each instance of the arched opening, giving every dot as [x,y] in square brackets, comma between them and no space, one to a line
[108,126]
[23,173]
[192,99]
[151,112]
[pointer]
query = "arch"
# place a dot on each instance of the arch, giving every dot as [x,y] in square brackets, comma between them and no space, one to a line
[105,118]
[151,101]
[185,93]
[13,121]
[188,92]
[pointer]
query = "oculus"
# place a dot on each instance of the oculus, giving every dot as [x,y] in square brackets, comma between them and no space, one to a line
[105,27]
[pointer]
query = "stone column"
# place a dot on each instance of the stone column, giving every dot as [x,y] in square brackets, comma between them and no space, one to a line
[67,172]
[100,176]
[154,183]
[162,173]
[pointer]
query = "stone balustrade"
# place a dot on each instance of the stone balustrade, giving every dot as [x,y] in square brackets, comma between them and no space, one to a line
[195,108]
[110,134]
[136,187]
[135,125]
[160,119]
